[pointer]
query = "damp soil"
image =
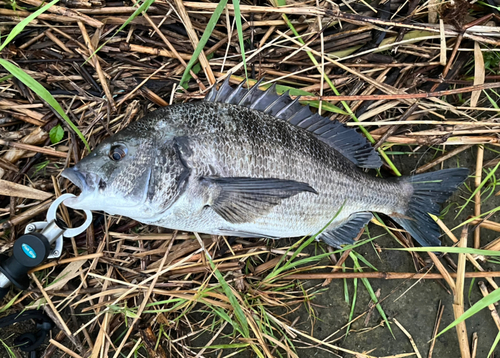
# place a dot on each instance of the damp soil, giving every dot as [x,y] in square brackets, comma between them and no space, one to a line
[413,304]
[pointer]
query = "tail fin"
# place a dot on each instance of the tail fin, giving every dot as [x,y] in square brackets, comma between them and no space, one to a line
[430,190]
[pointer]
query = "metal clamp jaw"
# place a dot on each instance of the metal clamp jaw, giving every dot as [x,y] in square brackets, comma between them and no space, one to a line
[34,247]
[54,230]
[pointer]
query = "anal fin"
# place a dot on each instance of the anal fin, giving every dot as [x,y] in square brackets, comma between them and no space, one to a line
[347,231]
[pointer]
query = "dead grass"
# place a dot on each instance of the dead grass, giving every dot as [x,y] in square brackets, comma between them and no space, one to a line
[411,77]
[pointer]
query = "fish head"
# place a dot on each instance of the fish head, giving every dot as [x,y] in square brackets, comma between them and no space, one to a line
[115,177]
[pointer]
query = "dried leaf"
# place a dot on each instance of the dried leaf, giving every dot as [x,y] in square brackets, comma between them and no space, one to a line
[8,188]
[69,273]
[479,73]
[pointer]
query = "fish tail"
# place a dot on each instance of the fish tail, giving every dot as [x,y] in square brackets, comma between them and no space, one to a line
[430,190]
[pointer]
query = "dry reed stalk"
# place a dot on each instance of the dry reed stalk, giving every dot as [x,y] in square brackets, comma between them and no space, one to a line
[442,158]
[101,336]
[405,95]
[493,245]
[436,328]
[487,224]
[194,40]
[61,10]
[64,349]
[27,215]
[95,62]
[458,298]
[57,18]
[470,257]
[443,271]
[386,275]
[152,51]
[479,73]
[474,344]
[34,117]
[28,147]
[58,42]
[453,140]
[60,322]
[172,49]
[33,40]
[9,188]
[19,149]
[142,306]
[407,334]
[492,308]
[477,197]
[380,86]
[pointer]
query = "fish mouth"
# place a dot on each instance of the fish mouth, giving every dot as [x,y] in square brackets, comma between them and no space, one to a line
[77,178]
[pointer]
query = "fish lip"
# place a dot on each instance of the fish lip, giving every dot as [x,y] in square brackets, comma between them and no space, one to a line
[79,179]
[76,178]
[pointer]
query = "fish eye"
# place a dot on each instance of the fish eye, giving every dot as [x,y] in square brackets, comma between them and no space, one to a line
[117,152]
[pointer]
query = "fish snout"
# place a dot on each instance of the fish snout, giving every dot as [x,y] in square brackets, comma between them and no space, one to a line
[76,177]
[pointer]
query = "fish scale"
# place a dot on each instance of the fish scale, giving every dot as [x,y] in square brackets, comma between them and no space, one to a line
[250,163]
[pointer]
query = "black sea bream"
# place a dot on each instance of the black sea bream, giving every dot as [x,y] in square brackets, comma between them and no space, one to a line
[255,164]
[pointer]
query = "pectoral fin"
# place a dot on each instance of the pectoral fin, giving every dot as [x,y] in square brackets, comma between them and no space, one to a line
[345,233]
[240,199]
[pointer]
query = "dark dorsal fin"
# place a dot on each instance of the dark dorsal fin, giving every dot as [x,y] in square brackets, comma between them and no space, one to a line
[345,140]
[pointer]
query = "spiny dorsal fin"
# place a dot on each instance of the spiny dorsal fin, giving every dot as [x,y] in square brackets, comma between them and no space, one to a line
[345,140]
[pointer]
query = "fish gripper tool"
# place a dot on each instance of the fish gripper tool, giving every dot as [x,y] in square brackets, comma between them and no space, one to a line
[42,240]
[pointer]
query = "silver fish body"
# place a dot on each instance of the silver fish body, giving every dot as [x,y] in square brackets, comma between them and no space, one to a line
[222,168]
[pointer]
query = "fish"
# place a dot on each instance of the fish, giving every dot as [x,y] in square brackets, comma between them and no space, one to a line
[251,163]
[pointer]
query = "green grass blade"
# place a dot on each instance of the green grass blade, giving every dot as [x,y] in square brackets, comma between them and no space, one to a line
[227,346]
[494,345]
[483,214]
[346,287]
[371,292]
[238,311]
[337,93]
[36,87]
[289,264]
[20,26]
[6,78]
[292,264]
[484,302]
[365,261]
[10,303]
[239,28]
[197,68]
[8,349]
[451,250]
[144,7]
[353,305]
[492,101]
[204,38]
[485,180]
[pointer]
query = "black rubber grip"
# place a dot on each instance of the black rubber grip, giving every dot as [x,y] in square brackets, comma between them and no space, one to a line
[4,291]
